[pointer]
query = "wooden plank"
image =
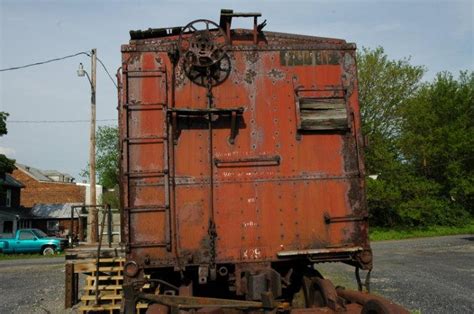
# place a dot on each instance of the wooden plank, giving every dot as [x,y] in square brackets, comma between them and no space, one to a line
[324,119]
[101,260]
[69,291]
[107,307]
[324,114]
[93,268]
[323,104]
[104,287]
[112,277]
[110,293]
[102,297]
[325,125]
[110,287]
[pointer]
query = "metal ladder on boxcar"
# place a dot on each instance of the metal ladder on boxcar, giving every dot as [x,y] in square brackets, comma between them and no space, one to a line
[128,142]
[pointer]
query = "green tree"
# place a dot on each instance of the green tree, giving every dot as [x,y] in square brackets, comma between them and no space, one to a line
[7,165]
[438,138]
[107,163]
[108,156]
[385,85]
[421,142]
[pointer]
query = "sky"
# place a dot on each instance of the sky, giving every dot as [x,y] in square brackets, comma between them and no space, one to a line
[436,34]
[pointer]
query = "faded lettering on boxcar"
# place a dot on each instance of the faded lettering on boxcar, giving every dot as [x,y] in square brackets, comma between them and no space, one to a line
[309,57]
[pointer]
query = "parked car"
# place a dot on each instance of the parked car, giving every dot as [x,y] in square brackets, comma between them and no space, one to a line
[32,241]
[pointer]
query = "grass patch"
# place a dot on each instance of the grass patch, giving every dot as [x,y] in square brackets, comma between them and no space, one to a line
[4,257]
[380,234]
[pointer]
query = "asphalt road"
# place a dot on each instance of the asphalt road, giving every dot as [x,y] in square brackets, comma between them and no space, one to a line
[430,275]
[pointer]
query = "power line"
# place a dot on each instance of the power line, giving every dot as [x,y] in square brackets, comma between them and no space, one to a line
[107,71]
[44,62]
[58,121]
[59,59]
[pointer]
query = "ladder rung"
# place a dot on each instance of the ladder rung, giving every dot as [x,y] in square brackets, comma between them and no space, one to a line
[146,174]
[205,111]
[150,106]
[160,70]
[146,74]
[146,244]
[147,208]
[145,140]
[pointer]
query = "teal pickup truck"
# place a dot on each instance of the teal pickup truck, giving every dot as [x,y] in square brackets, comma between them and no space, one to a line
[32,241]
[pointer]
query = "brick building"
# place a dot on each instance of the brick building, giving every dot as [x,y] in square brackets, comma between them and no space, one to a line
[42,189]
[47,198]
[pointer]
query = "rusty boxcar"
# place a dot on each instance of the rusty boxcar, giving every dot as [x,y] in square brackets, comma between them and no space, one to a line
[241,165]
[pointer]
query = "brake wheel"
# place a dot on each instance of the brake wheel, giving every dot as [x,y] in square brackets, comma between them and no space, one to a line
[203,43]
[203,48]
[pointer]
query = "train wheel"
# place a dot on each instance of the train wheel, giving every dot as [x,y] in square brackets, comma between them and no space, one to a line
[314,295]
[375,307]
[319,292]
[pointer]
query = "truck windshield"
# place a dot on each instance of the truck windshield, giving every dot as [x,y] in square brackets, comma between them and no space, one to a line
[39,233]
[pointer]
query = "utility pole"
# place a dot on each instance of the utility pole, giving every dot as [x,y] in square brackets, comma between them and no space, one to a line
[93,216]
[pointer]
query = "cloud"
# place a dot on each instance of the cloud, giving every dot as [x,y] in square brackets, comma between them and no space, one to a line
[7,151]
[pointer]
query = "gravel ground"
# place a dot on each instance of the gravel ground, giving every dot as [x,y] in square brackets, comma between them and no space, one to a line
[430,275]
[32,285]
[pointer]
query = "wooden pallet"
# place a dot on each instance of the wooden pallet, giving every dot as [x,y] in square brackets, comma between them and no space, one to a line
[109,286]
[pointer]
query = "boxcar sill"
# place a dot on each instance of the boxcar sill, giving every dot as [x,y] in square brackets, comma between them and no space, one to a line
[318,251]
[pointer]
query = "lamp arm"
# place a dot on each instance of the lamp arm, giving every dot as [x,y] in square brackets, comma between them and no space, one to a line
[88,77]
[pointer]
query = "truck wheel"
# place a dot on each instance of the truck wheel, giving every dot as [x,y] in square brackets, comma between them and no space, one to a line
[48,250]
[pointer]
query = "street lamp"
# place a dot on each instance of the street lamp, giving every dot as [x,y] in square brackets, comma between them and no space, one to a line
[92,216]
[81,72]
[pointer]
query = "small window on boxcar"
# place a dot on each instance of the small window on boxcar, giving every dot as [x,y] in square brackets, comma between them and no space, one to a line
[322,114]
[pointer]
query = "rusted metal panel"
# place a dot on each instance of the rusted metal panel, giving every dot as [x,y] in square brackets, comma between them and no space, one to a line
[244,158]
[270,173]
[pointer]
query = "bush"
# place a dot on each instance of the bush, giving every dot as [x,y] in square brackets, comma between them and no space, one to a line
[404,199]
[382,199]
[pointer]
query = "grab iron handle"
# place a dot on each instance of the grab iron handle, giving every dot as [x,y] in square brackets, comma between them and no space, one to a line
[329,220]
[243,162]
